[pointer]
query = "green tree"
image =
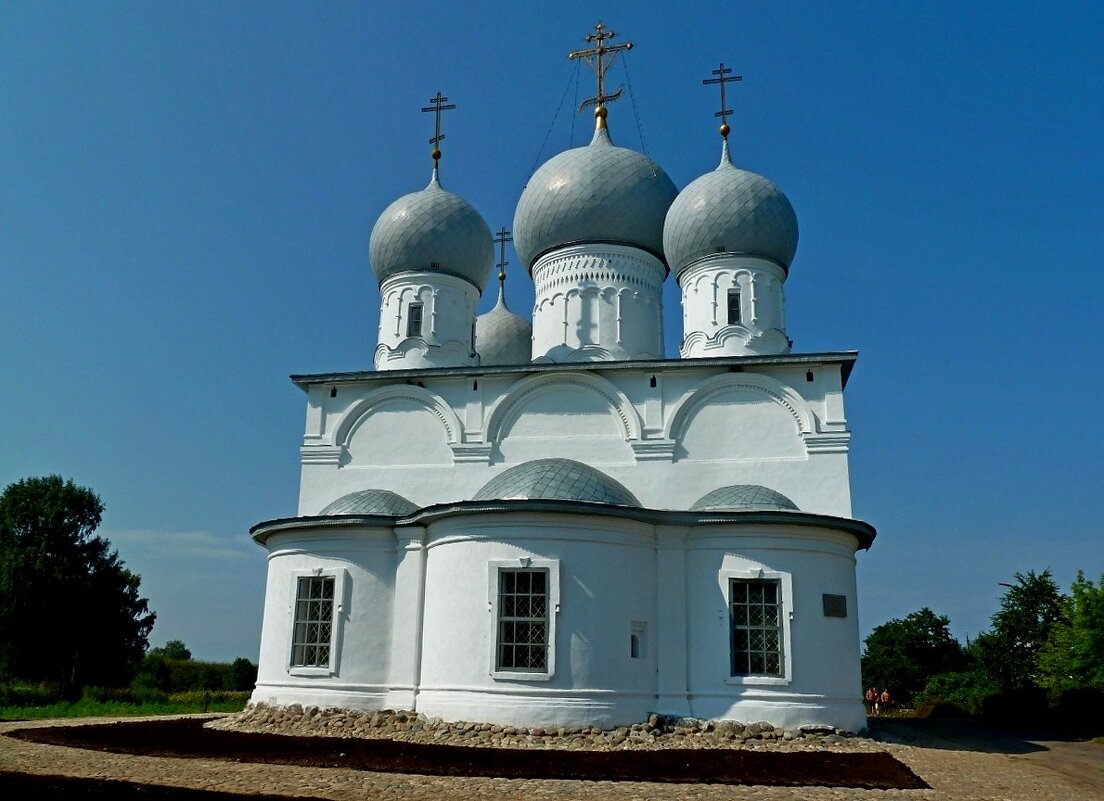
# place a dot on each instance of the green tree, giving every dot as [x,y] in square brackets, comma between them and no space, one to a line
[1073,655]
[1030,608]
[902,655]
[70,612]
[173,649]
[243,674]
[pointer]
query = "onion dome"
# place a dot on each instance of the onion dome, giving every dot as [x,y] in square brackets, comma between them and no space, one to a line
[371,502]
[743,498]
[730,210]
[502,337]
[432,231]
[555,479]
[597,193]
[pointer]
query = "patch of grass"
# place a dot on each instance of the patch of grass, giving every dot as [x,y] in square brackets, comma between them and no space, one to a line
[176,704]
[1098,740]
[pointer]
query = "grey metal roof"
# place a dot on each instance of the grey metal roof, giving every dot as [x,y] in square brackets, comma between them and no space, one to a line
[845,359]
[371,502]
[788,521]
[502,337]
[556,479]
[742,497]
[432,231]
[597,193]
[731,209]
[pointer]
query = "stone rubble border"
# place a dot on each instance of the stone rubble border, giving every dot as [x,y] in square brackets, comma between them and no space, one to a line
[657,732]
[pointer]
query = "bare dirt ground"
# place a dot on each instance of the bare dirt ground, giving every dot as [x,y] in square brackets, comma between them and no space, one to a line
[959,760]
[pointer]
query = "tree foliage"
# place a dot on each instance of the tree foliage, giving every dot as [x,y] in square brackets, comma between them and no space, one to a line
[70,612]
[173,649]
[902,655]
[1073,656]
[1029,610]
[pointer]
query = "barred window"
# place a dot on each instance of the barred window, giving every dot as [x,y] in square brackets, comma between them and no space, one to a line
[314,608]
[756,627]
[522,620]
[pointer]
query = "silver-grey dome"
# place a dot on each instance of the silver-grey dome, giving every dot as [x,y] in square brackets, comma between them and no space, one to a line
[730,210]
[556,479]
[371,502]
[597,193]
[743,498]
[432,231]
[502,337]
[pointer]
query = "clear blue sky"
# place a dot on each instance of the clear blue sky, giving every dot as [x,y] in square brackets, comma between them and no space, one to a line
[187,189]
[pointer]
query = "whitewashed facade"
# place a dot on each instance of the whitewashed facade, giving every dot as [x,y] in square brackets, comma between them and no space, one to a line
[595,534]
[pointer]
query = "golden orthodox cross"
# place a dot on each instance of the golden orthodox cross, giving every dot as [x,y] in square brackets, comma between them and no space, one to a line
[502,237]
[596,58]
[722,79]
[438,105]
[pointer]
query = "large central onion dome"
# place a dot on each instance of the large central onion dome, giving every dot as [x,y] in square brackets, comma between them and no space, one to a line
[432,231]
[597,193]
[730,210]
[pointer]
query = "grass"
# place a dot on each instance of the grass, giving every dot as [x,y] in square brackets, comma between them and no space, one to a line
[176,704]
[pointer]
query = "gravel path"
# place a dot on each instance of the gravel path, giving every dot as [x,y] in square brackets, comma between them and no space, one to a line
[959,766]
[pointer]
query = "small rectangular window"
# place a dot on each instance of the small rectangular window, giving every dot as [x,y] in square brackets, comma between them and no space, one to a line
[522,642]
[756,627]
[835,605]
[733,306]
[414,320]
[314,608]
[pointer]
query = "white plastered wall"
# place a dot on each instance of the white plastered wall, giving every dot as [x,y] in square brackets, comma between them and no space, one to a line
[782,427]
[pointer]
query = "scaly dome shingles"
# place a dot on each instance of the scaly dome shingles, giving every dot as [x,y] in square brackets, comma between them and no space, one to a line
[597,193]
[734,209]
[556,479]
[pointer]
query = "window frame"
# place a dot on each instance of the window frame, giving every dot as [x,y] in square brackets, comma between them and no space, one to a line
[339,577]
[737,292]
[410,307]
[785,589]
[551,567]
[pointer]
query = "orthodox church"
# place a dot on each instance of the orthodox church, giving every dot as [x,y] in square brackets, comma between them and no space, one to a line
[545,521]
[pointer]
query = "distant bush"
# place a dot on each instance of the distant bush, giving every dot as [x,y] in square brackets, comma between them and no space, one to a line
[1081,709]
[180,675]
[939,708]
[29,695]
[966,690]
[1026,706]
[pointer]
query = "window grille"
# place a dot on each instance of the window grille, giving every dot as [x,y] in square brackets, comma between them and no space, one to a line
[314,607]
[756,627]
[522,620]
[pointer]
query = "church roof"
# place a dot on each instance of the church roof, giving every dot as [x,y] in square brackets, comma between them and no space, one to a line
[597,193]
[741,497]
[371,502]
[730,210]
[556,479]
[435,231]
[845,359]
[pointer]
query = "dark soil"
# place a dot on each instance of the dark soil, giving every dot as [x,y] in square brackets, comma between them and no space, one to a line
[188,739]
[19,786]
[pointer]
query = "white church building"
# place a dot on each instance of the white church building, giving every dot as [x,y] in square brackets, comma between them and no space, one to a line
[548,522]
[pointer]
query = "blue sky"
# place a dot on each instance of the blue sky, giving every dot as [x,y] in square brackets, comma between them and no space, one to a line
[187,189]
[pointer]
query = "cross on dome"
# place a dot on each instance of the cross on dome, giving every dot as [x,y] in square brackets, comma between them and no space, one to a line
[437,106]
[595,58]
[723,72]
[502,237]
